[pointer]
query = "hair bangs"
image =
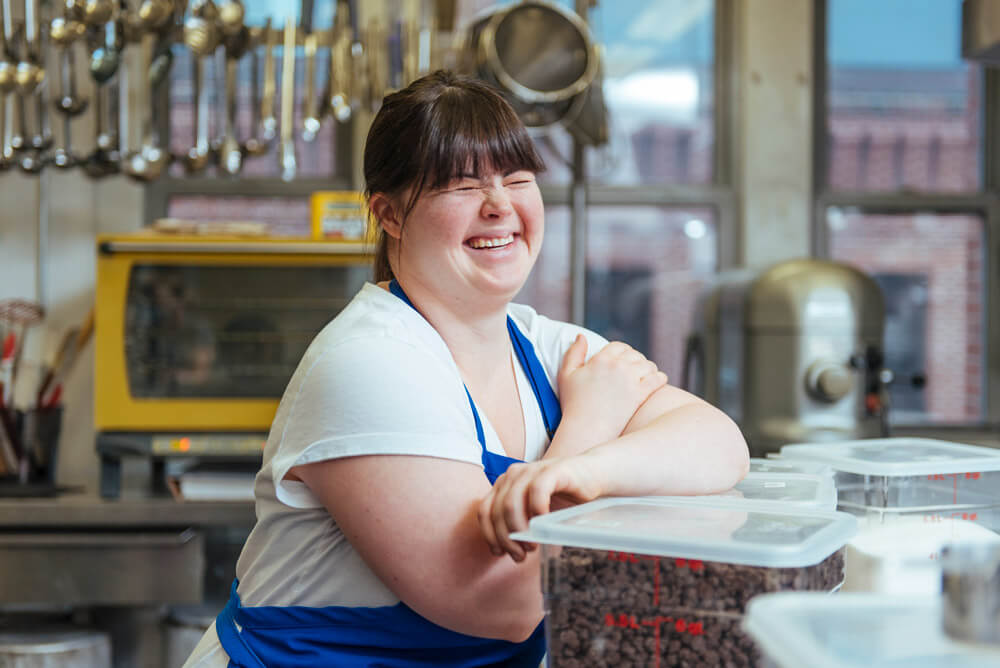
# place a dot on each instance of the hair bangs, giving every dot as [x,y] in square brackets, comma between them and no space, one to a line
[475,136]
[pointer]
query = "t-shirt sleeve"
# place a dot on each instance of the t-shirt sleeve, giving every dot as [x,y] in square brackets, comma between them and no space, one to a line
[552,338]
[374,396]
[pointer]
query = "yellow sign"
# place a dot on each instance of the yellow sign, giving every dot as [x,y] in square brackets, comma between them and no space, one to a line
[338,214]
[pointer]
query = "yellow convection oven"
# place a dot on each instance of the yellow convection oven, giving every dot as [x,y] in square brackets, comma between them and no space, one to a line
[197,337]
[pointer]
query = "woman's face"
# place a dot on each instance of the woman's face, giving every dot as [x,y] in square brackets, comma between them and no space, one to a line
[475,238]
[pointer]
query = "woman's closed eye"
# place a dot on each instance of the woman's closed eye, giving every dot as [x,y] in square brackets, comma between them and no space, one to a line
[519,179]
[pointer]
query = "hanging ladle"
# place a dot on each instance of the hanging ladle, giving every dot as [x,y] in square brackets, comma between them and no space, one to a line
[230,151]
[202,37]
[286,141]
[231,16]
[7,86]
[148,163]
[258,143]
[64,32]
[104,60]
[154,14]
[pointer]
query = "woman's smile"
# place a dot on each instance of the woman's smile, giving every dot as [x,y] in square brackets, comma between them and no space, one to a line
[491,242]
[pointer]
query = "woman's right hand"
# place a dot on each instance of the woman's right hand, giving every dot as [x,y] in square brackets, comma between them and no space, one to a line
[605,391]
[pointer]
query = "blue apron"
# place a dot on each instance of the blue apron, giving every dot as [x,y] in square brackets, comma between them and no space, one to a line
[388,636]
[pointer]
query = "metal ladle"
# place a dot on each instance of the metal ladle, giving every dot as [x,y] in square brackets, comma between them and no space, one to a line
[231,17]
[254,144]
[150,160]
[7,86]
[12,140]
[96,12]
[202,37]
[286,142]
[154,14]
[104,61]
[230,151]
[64,32]
[310,118]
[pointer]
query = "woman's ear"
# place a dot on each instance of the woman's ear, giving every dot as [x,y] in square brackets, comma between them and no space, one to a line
[387,214]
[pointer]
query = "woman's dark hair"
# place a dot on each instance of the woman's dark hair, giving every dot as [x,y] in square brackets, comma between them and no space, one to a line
[440,127]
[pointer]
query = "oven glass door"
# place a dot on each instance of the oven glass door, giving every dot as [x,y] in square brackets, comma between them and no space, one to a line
[225,331]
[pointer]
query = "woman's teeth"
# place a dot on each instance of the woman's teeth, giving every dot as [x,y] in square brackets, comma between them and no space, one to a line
[492,243]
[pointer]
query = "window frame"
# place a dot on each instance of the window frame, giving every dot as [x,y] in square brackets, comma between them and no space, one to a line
[984,203]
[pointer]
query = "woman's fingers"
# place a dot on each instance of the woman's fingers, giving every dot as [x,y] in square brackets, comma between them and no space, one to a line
[653,381]
[575,355]
[486,524]
[525,491]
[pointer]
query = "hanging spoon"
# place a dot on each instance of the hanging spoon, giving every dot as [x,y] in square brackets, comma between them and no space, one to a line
[202,37]
[254,144]
[286,144]
[230,151]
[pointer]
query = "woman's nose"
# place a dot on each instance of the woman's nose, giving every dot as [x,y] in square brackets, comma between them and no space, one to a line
[496,203]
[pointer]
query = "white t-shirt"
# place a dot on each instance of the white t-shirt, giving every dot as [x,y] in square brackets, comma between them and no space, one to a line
[378,379]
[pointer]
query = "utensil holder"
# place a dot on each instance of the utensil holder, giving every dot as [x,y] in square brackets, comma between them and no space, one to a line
[38,431]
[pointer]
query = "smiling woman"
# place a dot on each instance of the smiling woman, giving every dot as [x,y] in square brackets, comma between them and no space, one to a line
[432,418]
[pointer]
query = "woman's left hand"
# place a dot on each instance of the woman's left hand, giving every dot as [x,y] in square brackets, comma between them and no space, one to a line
[527,490]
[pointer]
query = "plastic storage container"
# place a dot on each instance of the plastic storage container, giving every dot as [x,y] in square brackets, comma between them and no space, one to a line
[794,489]
[884,479]
[664,581]
[777,465]
[795,629]
[797,490]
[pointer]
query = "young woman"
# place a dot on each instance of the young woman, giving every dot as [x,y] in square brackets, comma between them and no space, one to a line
[432,418]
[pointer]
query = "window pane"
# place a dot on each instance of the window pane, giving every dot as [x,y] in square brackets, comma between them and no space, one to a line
[930,268]
[645,269]
[658,86]
[903,107]
[286,216]
[548,288]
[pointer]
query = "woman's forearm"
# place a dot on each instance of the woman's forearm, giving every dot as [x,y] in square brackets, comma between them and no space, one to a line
[691,449]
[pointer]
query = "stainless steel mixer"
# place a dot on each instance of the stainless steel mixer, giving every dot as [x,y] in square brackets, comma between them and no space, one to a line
[793,354]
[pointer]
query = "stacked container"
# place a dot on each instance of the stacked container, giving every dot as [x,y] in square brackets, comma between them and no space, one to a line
[664,581]
[911,495]
[799,490]
[794,630]
[776,465]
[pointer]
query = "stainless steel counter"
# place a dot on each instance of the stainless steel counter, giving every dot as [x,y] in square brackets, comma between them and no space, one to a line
[88,510]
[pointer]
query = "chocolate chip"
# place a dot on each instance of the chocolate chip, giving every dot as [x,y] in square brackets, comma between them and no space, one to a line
[621,609]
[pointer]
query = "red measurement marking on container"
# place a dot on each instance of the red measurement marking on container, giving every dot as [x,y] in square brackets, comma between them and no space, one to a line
[678,624]
[629,557]
[621,621]
[694,564]
[972,475]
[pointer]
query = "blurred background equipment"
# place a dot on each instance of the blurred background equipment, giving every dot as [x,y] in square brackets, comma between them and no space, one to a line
[793,353]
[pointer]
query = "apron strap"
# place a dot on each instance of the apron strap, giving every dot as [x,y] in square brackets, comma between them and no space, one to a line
[240,654]
[548,402]
[546,397]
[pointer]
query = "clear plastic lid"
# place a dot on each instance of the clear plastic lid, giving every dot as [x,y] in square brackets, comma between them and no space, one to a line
[796,489]
[777,465]
[849,630]
[897,456]
[800,489]
[710,529]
